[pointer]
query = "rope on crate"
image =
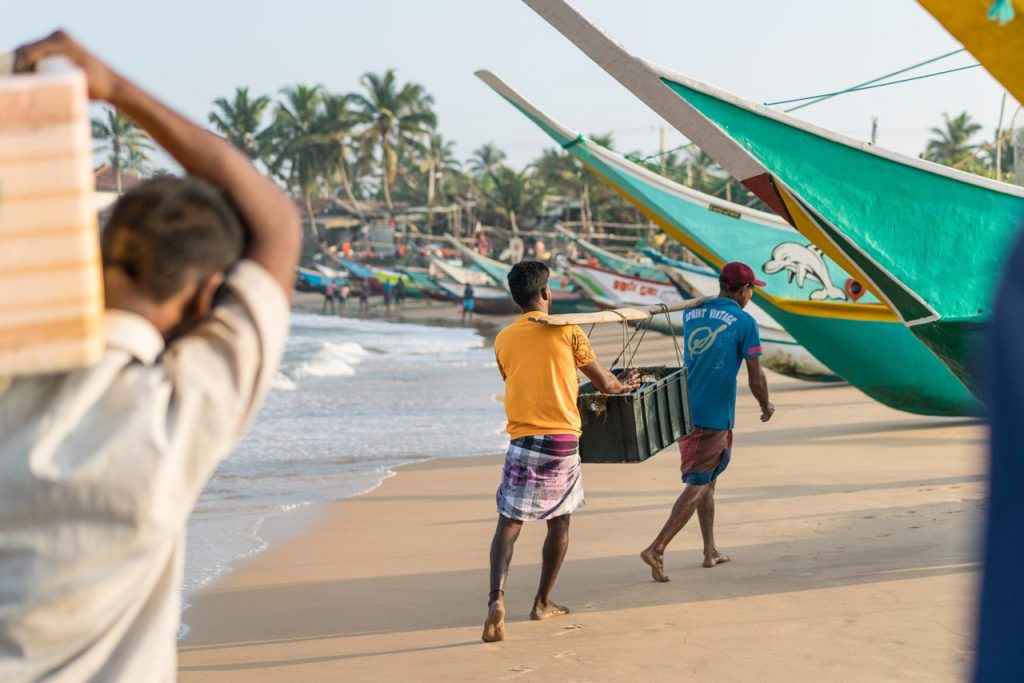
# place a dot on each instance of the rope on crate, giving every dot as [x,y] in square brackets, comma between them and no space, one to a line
[672,331]
[625,342]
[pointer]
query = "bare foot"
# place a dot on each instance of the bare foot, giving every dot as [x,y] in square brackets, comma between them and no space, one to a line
[656,563]
[494,625]
[541,612]
[715,558]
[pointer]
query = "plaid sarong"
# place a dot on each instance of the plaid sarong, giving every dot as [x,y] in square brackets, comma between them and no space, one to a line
[542,478]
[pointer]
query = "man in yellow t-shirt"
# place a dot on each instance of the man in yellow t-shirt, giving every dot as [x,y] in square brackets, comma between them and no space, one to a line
[541,478]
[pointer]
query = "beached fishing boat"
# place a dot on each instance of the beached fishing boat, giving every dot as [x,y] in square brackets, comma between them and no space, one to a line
[361,273]
[612,289]
[841,329]
[996,41]
[566,297]
[424,283]
[888,219]
[412,288]
[309,280]
[486,300]
[612,261]
[460,274]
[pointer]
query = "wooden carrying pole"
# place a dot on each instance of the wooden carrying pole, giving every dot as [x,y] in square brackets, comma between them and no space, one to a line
[617,315]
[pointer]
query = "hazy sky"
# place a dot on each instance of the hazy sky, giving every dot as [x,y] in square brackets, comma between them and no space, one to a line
[189,52]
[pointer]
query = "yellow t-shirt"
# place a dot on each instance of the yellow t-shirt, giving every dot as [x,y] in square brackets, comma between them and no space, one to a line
[538,364]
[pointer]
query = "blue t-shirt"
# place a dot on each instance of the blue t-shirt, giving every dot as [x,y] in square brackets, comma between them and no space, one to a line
[718,336]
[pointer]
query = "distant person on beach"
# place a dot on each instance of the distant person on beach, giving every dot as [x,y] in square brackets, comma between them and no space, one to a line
[719,336]
[364,296]
[400,291]
[343,293]
[100,466]
[468,304]
[389,292]
[541,479]
[329,292]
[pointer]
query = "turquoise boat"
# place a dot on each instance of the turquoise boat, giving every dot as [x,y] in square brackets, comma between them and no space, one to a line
[424,283]
[810,296]
[612,261]
[928,240]
[567,299]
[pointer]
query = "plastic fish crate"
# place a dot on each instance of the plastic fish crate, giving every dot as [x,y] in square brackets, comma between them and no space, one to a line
[633,427]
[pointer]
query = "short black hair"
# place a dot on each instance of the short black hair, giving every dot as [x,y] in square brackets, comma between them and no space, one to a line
[526,280]
[727,286]
[169,230]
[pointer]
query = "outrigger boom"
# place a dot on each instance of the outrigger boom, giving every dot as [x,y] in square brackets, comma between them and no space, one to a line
[618,315]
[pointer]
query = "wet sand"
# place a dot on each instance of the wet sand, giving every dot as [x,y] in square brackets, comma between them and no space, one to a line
[852,529]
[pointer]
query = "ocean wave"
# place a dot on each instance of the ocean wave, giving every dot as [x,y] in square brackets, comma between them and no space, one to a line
[393,339]
[282,382]
[319,359]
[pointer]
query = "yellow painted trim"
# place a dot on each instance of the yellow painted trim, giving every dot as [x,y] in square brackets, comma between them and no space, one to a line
[1000,49]
[818,309]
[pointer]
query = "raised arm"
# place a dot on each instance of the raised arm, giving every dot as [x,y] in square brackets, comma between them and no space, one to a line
[606,382]
[759,387]
[267,213]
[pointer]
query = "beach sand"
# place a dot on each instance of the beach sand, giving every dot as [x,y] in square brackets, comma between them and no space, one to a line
[853,531]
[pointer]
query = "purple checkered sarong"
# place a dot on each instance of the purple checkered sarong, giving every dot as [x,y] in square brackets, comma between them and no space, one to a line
[542,478]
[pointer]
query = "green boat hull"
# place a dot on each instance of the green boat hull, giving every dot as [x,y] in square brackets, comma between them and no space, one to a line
[881,358]
[898,223]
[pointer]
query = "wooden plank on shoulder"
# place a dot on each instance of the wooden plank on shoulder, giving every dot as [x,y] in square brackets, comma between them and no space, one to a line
[617,315]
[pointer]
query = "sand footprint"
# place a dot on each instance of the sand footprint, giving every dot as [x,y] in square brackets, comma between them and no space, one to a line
[517,671]
[565,654]
[570,627]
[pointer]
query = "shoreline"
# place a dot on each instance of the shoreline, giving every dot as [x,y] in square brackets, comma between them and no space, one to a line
[852,530]
[280,525]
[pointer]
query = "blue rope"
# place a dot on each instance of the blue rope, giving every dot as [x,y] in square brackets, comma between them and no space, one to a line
[825,96]
[1002,11]
[819,98]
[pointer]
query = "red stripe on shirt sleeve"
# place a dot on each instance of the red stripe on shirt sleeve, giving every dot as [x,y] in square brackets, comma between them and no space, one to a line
[753,351]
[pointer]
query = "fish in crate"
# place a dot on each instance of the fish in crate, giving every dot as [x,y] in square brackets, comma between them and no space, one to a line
[632,427]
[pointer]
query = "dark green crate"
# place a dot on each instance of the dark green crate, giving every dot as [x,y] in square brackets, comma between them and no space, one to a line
[633,427]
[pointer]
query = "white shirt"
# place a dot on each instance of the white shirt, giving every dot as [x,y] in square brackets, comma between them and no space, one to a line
[99,470]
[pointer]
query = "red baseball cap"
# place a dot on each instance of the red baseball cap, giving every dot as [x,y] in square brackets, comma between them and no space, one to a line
[737,274]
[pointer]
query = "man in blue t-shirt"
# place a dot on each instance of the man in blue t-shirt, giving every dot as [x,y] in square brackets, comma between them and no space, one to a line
[719,335]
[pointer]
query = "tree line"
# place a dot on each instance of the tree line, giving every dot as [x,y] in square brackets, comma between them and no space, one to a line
[381,142]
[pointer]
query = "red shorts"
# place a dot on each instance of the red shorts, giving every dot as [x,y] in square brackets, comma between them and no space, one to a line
[704,454]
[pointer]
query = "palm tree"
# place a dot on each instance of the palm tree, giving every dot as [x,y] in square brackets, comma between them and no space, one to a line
[137,156]
[950,145]
[122,139]
[485,159]
[399,118]
[336,127]
[513,193]
[298,139]
[437,162]
[241,122]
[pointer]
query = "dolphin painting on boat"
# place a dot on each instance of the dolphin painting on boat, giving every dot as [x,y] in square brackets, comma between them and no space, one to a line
[802,262]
